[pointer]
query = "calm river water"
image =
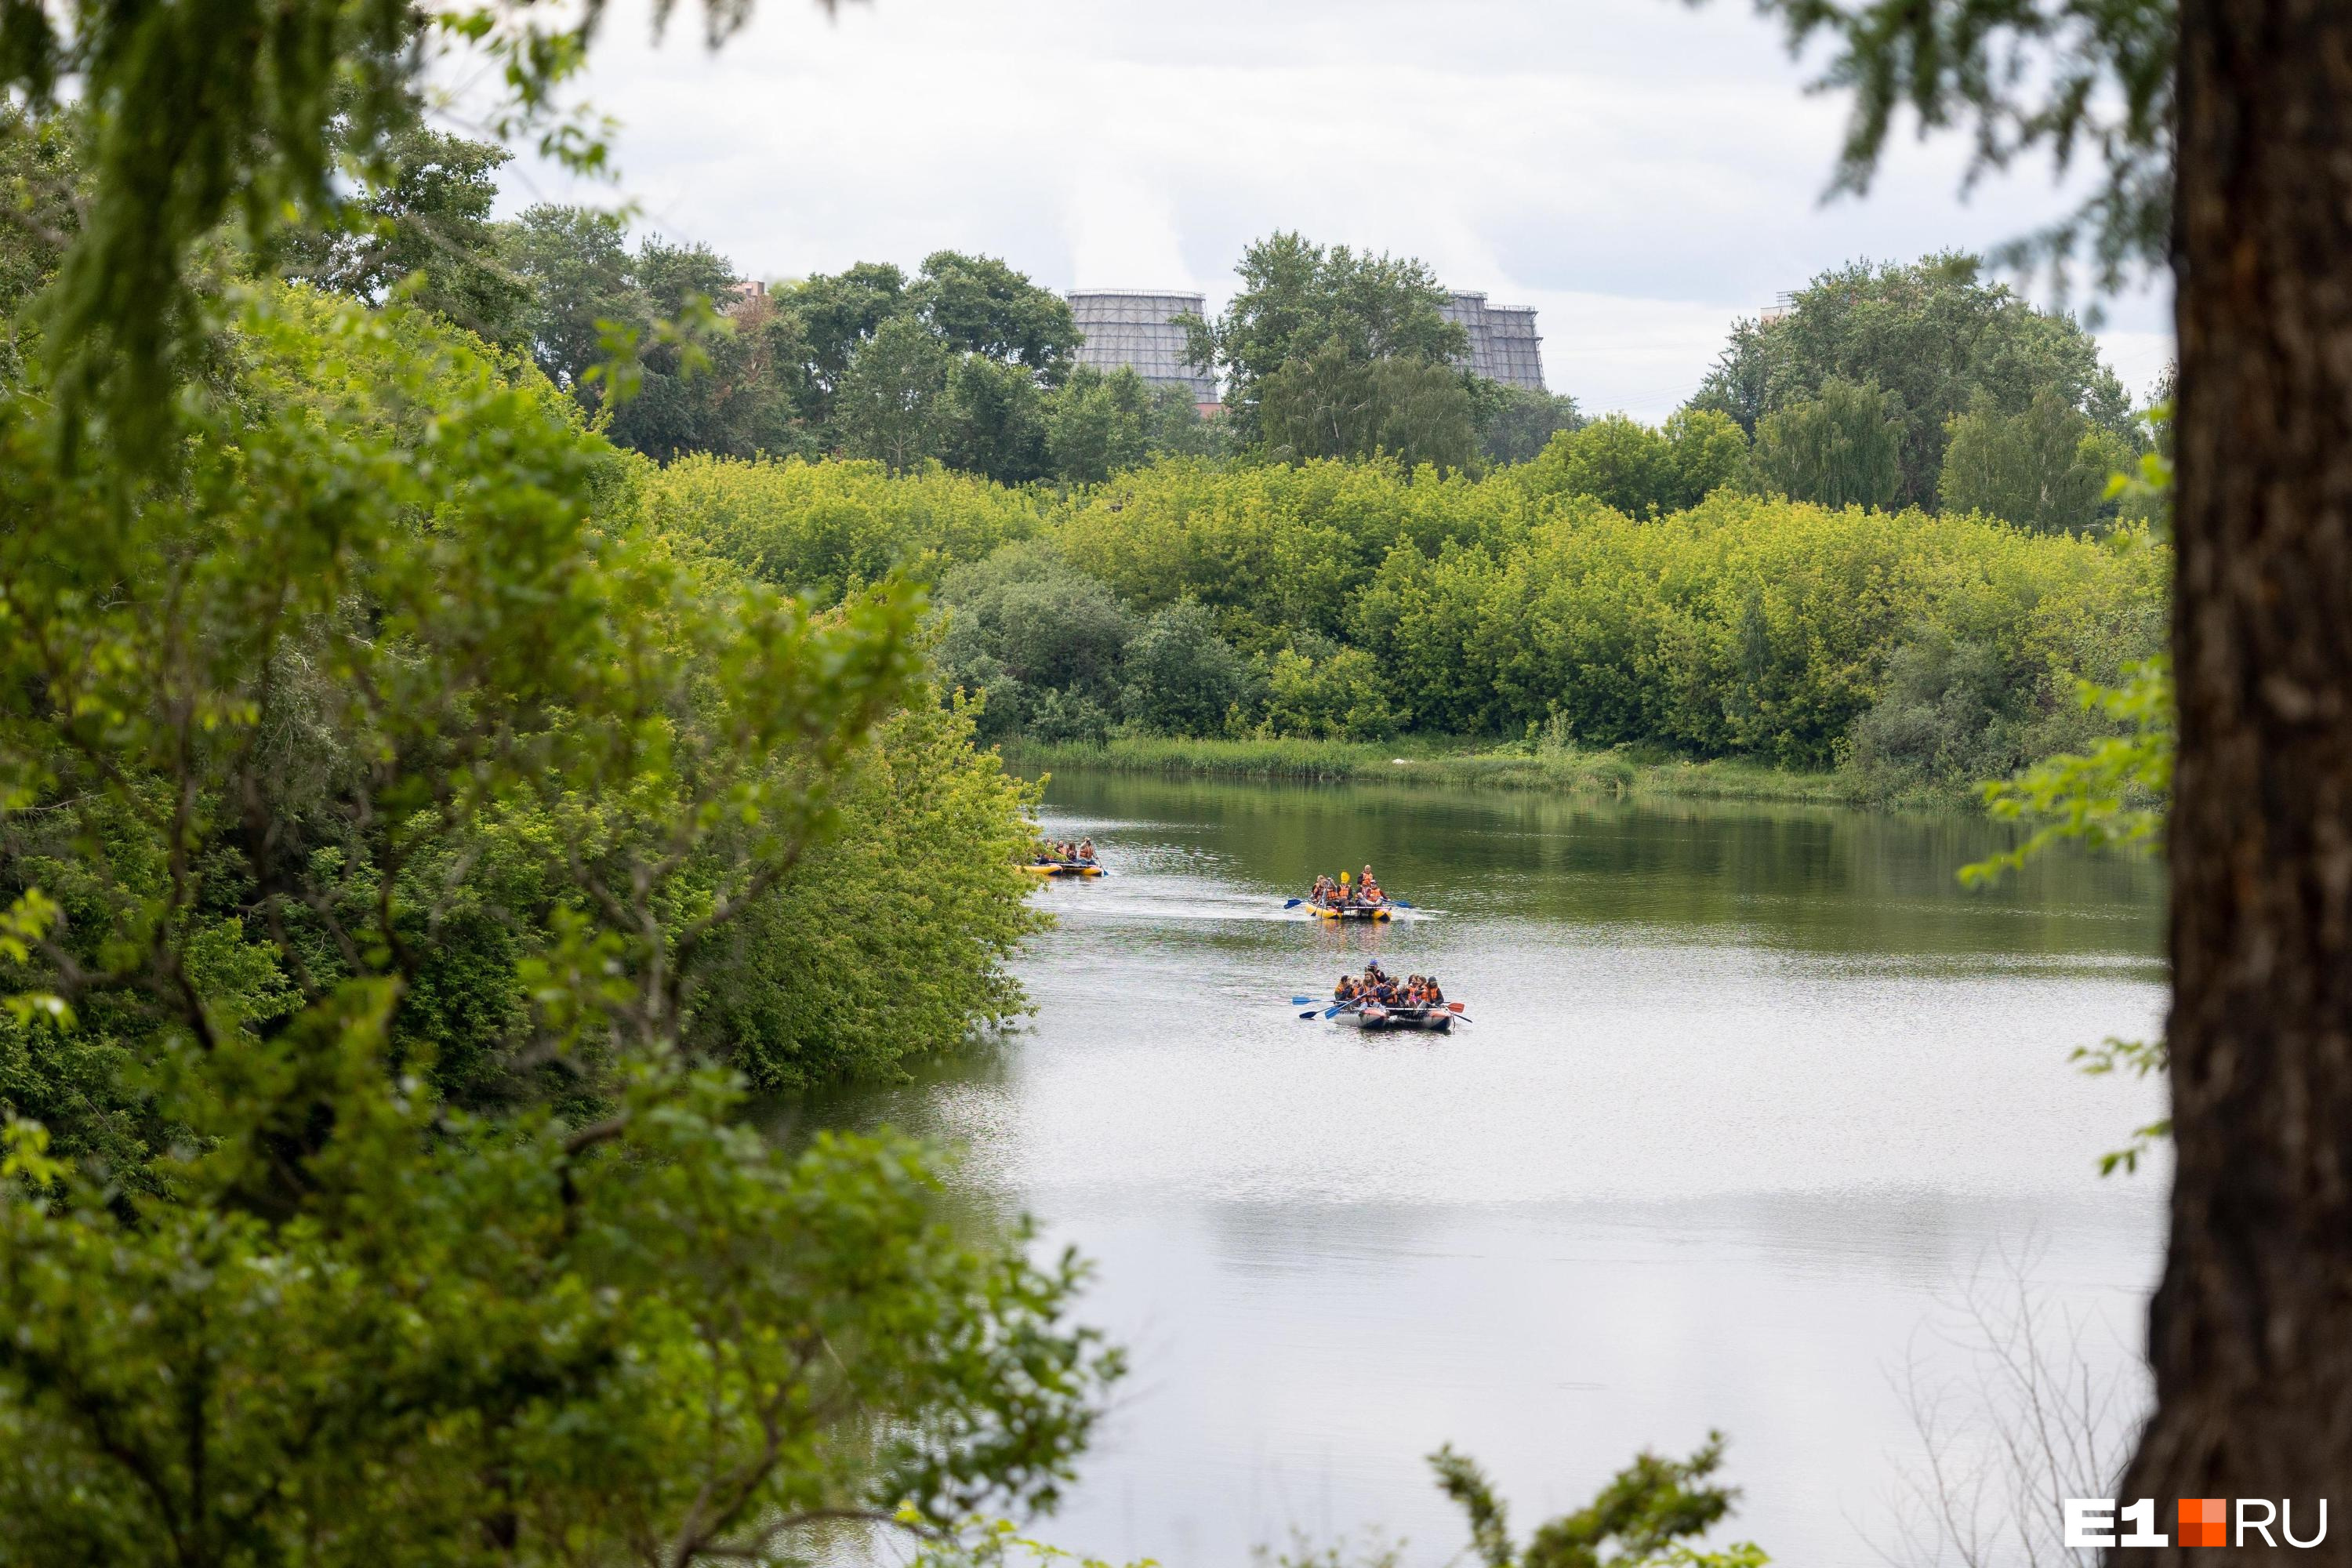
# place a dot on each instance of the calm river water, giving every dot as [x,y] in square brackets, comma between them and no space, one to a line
[1752,1095]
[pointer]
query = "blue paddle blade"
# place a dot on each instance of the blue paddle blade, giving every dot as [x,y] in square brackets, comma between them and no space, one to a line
[1292,903]
[1400,903]
[1310,1012]
[1303,1001]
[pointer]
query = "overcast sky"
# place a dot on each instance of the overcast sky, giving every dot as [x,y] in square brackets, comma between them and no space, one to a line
[1640,172]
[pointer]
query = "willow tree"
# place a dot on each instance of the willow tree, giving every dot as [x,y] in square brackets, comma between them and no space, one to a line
[2226,158]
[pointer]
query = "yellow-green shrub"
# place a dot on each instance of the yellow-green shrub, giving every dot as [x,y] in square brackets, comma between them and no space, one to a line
[820,528]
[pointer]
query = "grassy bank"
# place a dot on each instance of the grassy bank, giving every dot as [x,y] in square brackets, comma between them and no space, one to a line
[1566,769]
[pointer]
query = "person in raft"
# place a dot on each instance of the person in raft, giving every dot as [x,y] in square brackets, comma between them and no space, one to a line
[1346,893]
[1087,850]
[1367,889]
[1378,989]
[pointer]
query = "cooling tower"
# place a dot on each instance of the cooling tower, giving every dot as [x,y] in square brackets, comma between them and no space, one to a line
[1135,327]
[1504,343]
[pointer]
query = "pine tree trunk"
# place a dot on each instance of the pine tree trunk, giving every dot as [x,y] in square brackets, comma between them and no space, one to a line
[2250,1330]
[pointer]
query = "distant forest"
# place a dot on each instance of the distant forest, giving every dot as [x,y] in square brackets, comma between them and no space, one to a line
[1883,535]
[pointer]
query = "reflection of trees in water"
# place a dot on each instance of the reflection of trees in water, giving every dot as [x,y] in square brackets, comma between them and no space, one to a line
[1807,877]
[923,1106]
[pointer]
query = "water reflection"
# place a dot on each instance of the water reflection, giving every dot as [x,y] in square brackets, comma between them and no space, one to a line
[1746,1089]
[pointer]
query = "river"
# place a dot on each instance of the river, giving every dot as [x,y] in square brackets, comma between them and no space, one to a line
[1754,1100]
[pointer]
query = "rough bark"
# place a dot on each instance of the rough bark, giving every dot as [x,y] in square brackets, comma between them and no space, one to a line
[2250,1330]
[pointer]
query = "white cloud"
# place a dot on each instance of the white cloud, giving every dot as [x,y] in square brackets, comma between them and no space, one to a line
[1639,171]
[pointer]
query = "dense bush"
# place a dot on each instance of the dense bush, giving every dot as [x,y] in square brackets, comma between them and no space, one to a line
[377,794]
[888,940]
[821,529]
[1182,678]
[1349,600]
[1743,626]
[1043,643]
[1626,465]
[1268,550]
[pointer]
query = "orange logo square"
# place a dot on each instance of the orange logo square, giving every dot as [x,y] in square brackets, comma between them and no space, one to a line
[2204,1522]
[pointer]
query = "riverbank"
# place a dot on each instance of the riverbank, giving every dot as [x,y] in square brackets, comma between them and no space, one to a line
[1566,769]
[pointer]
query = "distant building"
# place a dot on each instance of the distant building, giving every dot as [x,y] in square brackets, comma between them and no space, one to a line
[1135,328]
[1504,343]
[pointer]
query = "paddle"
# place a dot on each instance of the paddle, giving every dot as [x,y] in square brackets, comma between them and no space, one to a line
[1292,903]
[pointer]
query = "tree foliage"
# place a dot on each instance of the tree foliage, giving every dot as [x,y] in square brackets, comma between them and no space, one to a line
[1515,423]
[2064,78]
[376,798]
[421,225]
[1842,448]
[1181,676]
[1640,471]
[2047,467]
[1644,1517]
[1934,333]
[1298,298]
[1741,626]
[1325,403]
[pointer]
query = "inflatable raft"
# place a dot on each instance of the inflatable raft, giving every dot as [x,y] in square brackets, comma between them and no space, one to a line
[1063,869]
[1348,912]
[1378,1020]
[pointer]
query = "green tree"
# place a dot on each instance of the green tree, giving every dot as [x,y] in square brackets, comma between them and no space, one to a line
[707,367]
[1181,676]
[576,261]
[978,305]
[1178,428]
[1098,424]
[889,940]
[1617,460]
[837,312]
[2045,467]
[1515,423]
[1330,693]
[1297,297]
[1706,449]
[1325,404]
[392,719]
[1842,448]
[893,404]
[428,216]
[1937,333]
[1623,463]
[975,310]
[994,421]
[1951,711]
[1026,627]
